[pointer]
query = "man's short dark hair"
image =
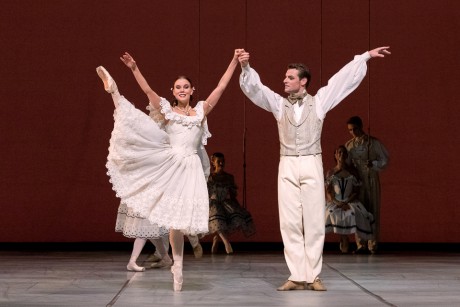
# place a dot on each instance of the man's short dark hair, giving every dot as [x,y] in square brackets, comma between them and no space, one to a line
[304,71]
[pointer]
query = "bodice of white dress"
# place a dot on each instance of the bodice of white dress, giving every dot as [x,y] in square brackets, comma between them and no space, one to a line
[186,132]
[184,140]
[159,118]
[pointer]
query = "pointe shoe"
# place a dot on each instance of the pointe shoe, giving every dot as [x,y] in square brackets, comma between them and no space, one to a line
[178,279]
[109,84]
[133,267]
[198,251]
[215,244]
[163,263]
[292,285]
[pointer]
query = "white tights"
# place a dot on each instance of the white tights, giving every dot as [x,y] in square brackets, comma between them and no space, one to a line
[139,244]
[137,249]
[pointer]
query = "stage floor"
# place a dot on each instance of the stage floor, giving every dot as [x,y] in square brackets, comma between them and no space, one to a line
[99,278]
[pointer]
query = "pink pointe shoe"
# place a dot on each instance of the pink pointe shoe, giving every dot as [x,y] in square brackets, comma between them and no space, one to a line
[109,84]
[178,279]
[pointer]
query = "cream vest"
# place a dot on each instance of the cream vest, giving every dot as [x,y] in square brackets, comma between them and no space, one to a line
[302,138]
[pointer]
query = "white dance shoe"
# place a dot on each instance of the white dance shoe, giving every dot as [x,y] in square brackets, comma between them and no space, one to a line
[133,267]
[109,84]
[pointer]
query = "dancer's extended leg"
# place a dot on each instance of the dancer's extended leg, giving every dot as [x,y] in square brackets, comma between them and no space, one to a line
[109,84]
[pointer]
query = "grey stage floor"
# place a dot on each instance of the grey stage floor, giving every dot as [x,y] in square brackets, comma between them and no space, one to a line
[99,278]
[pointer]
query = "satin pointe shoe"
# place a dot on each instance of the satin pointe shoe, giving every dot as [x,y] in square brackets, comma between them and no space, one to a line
[292,285]
[178,279]
[198,251]
[163,263]
[109,84]
[133,267]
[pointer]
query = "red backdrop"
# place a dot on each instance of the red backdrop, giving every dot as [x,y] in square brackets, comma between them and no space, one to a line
[56,119]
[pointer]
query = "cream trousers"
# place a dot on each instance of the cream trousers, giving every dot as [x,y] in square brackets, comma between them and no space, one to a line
[301,203]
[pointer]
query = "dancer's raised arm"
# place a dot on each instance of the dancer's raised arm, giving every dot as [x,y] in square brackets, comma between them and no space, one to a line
[153,97]
[218,91]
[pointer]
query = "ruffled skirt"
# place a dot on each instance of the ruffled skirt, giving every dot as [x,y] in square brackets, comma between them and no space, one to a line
[134,227]
[229,217]
[156,181]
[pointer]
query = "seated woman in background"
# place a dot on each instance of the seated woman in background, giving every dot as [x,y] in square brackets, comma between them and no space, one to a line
[344,213]
[226,216]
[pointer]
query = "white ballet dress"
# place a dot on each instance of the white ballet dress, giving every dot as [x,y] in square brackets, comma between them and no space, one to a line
[156,169]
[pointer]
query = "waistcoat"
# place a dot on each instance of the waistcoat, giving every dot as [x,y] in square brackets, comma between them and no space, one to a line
[300,138]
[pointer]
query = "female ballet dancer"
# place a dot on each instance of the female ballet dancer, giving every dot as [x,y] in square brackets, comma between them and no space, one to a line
[154,165]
